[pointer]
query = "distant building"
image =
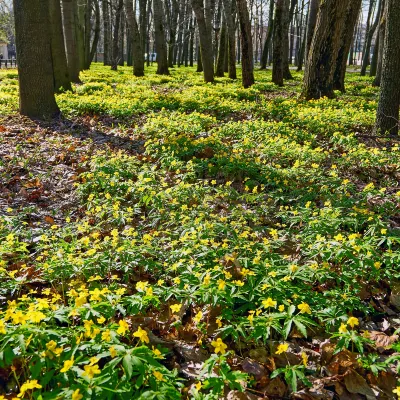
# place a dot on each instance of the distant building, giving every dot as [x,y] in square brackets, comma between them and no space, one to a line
[4,49]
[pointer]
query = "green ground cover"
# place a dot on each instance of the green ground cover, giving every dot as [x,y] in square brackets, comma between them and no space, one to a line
[250,239]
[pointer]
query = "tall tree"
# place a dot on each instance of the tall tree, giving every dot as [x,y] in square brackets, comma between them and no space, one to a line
[160,41]
[203,17]
[321,63]
[117,24]
[219,71]
[229,10]
[346,37]
[381,33]
[281,15]
[246,44]
[35,71]
[59,57]
[312,20]
[268,39]
[387,116]
[69,15]
[136,42]
[368,41]
[106,32]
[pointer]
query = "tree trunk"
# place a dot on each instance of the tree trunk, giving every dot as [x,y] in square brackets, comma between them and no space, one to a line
[143,22]
[161,44]
[58,55]
[381,33]
[370,35]
[387,116]
[302,50]
[378,44]
[80,12]
[312,20]
[221,49]
[320,68]
[229,10]
[199,62]
[96,37]
[70,39]
[136,42]
[115,49]
[87,17]
[121,48]
[35,71]
[268,39]
[191,43]
[246,44]
[106,32]
[206,48]
[352,13]
[281,14]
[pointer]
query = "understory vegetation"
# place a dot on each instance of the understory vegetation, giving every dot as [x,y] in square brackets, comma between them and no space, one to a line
[219,239]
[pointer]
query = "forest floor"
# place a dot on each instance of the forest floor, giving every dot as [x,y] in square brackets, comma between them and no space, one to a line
[170,239]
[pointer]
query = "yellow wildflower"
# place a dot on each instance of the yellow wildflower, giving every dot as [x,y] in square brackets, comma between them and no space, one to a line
[282,348]
[219,346]
[142,335]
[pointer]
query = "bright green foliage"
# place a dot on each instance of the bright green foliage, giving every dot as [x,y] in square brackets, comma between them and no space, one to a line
[263,218]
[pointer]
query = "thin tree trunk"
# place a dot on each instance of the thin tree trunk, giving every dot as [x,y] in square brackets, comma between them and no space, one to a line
[378,44]
[268,39]
[106,31]
[206,48]
[115,52]
[229,10]
[87,27]
[136,42]
[352,13]
[222,49]
[160,42]
[246,44]
[320,68]
[381,33]
[281,10]
[70,39]
[370,35]
[387,116]
[35,71]
[59,57]
[96,37]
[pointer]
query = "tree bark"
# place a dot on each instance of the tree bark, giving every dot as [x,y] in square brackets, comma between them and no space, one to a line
[268,39]
[136,42]
[206,48]
[106,32]
[312,20]
[229,10]
[281,11]
[381,33]
[246,44]
[159,34]
[58,55]
[70,39]
[387,116]
[87,16]
[352,13]
[320,68]
[93,49]
[115,50]
[35,71]
[221,49]
[370,35]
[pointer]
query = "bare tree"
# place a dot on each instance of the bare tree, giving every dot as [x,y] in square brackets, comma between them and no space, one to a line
[387,116]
